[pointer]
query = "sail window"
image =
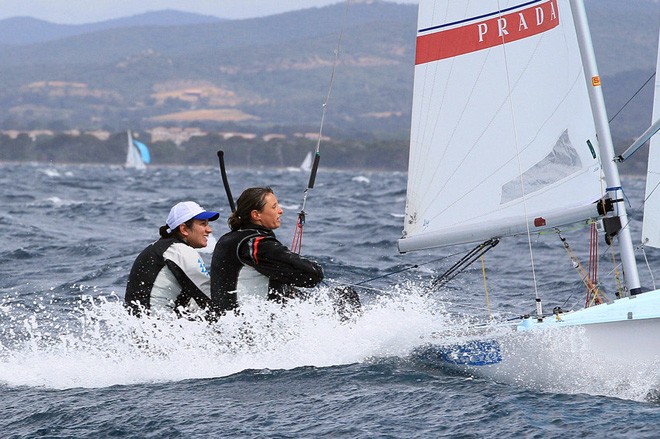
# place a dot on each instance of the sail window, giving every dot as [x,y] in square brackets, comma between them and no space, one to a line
[561,162]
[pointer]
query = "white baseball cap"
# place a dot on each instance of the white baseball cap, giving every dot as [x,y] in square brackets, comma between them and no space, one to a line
[182,212]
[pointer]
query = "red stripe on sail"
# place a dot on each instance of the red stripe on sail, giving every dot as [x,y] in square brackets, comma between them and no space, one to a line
[479,35]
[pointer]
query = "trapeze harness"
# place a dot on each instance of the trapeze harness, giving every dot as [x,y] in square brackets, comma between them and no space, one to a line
[253,262]
[168,274]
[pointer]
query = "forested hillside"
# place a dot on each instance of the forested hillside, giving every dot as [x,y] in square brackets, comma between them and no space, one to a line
[269,74]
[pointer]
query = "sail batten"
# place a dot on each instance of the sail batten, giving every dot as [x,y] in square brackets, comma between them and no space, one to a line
[501,129]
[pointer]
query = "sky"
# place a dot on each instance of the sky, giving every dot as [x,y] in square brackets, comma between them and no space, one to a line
[89,11]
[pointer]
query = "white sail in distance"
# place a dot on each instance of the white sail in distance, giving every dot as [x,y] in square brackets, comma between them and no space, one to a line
[137,154]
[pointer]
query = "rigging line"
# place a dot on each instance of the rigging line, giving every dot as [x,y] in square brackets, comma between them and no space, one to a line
[632,97]
[650,192]
[327,282]
[410,267]
[296,245]
[582,273]
[520,172]
[327,98]
[405,269]
[648,266]
[618,265]
[464,263]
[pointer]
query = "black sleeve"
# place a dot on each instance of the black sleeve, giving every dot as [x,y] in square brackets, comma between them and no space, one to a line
[188,288]
[271,258]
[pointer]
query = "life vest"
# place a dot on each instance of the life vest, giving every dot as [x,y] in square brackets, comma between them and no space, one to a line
[253,262]
[168,274]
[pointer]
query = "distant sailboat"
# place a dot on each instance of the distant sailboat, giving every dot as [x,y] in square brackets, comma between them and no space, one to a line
[306,164]
[137,155]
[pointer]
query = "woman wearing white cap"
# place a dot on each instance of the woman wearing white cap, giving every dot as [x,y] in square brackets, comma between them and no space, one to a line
[169,274]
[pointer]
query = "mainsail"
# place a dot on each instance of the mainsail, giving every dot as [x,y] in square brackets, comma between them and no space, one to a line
[651,224]
[502,134]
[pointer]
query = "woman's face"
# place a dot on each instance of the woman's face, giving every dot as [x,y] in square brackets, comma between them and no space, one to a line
[197,236]
[270,214]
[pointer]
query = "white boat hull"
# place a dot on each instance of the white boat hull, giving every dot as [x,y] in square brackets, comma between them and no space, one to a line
[621,337]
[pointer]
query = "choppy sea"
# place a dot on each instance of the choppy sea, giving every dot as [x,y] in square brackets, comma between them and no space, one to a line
[73,364]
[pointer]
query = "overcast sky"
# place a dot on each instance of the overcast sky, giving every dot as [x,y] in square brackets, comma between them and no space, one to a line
[88,11]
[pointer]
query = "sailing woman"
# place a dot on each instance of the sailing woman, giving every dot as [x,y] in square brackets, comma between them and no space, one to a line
[169,274]
[249,260]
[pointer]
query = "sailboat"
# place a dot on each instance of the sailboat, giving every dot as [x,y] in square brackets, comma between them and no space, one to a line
[509,137]
[306,164]
[137,155]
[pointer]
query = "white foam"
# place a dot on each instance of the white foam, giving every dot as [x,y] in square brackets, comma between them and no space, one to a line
[101,345]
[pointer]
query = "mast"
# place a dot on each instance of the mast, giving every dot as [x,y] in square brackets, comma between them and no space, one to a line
[605,144]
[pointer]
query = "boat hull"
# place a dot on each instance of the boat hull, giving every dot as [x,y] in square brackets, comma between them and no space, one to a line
[621,337]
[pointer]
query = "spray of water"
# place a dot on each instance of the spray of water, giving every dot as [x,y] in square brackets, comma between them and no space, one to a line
[98,344]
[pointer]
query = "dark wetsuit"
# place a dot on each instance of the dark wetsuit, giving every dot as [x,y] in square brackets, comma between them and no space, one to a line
[252,261]
[166,275]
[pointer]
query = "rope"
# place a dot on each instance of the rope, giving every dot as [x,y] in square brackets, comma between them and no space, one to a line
[648,266]
[594,295]
[515,315]
[520,173]
[296,245]
[463,263]
[632,97]
[360,284]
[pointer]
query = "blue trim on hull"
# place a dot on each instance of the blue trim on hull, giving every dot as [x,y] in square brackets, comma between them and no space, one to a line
[471,353]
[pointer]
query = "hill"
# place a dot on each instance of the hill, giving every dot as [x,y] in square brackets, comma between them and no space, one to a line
[27,30]
[268,73]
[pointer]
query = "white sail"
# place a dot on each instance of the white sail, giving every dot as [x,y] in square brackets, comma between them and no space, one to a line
[135,158]
[502,134]
[306,164]
[651,223]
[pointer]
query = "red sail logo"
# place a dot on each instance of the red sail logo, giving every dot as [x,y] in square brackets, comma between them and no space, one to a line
[479,33]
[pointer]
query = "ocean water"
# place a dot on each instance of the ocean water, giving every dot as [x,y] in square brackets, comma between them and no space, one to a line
[73,364]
